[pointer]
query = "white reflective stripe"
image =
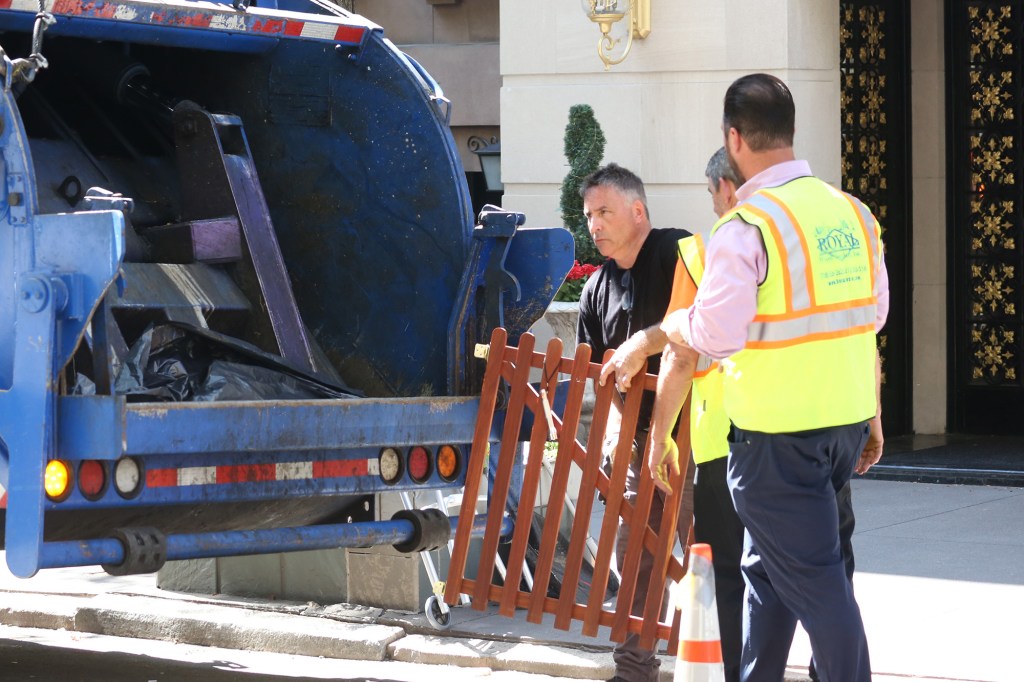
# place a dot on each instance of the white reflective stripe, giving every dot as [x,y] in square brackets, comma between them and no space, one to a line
[126,13]
[31,5]
[816,323]
[228,22]
[322,31]
[290,471]
[792,245]
[704,363]
[197,475]
[373,467]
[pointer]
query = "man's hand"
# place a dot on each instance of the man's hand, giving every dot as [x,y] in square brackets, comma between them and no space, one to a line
[611,444]
[664,463]
[873,450]
[628,360]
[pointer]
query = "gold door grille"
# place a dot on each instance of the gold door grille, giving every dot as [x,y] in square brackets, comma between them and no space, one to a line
[986,289]
[875,164]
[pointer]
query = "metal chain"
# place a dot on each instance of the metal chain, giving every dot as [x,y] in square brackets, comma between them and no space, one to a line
[25,69]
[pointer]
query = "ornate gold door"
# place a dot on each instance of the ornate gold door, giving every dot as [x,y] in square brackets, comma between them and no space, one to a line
[876,162]
[985,196]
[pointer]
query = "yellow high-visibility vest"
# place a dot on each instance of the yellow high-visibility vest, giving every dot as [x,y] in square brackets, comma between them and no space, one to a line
[809,358]
[709,425]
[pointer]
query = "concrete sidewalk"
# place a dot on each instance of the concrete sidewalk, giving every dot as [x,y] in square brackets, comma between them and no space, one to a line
[940,579]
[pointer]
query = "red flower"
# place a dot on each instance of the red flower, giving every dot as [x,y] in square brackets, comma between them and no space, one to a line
[574,281]
[581,271]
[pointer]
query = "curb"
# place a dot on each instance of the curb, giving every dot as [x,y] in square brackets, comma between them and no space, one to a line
[506,656]
[338,631]
[234,628]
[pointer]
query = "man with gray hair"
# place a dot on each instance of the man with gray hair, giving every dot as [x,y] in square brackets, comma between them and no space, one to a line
[621,304]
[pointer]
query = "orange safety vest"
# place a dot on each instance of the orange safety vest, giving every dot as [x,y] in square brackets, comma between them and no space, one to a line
[709,425]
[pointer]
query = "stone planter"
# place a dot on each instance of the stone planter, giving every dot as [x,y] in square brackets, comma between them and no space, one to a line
[561,318]
[560,321]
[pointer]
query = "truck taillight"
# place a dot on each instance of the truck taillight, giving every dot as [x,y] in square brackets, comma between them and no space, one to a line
[419,464]
[57,480]
[447,462]
[92,479]
[127,477]
[390,465]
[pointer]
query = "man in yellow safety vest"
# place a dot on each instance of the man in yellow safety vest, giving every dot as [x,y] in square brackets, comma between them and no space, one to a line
[794,292]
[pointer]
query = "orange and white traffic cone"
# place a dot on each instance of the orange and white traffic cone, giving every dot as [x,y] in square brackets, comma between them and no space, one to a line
[700,648]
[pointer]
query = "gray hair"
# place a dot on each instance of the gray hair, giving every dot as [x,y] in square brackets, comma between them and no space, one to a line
[720,169]
[624,180]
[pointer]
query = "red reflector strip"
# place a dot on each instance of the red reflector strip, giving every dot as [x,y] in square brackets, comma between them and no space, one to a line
[349,34]
[339,468]
[246,473]
[208,16]
[161,478]
[102,10]
[3,501]
[192,20]
[270,26]
[258,473]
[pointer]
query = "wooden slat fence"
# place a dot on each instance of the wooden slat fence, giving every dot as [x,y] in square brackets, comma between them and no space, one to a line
[508,369]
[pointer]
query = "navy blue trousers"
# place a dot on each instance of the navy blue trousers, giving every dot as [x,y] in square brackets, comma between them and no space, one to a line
[784,487]
[715,522]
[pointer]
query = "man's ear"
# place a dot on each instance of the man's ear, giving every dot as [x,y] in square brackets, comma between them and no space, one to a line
[733,140]
[638,210]
[728,190]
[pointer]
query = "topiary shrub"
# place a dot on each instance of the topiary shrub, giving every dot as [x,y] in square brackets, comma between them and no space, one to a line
[584,149]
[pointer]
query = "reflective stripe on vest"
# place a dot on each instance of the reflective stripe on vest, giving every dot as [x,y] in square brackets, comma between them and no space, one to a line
[809,358]
[709,425]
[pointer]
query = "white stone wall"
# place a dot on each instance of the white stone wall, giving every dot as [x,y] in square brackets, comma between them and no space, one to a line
[661,109]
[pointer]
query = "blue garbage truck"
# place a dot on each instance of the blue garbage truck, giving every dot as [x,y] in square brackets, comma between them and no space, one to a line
[242,283]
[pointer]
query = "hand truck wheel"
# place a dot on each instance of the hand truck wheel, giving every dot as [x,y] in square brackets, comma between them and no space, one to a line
[438,613]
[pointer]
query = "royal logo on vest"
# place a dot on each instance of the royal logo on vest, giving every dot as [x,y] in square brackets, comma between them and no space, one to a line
[837,243]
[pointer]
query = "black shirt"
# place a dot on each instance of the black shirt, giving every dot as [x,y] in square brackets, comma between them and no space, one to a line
[605,322]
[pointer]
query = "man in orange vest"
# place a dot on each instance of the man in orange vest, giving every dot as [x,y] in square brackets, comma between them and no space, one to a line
[794,292]
[714,518]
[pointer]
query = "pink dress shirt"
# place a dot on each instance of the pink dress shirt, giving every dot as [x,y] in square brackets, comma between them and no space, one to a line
[716,323]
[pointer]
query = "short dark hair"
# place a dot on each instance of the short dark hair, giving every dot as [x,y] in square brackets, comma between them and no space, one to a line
[720,169]
[622,179]
[761,108]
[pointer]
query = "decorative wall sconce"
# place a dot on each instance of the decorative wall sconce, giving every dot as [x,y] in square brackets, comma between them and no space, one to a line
[605,13]
[489,152]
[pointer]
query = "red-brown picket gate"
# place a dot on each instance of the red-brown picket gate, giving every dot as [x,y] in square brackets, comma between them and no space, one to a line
[508,368]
